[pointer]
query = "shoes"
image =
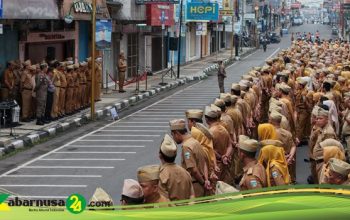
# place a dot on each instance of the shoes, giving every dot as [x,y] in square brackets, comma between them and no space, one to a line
[122,91]
[39,122]
[26,120]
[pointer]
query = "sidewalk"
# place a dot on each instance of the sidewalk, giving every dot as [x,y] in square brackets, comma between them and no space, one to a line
[28,133]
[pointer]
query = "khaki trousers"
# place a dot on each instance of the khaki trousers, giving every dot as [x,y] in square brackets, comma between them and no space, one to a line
[26,103]
[56,99]
[121,80]
[62,101]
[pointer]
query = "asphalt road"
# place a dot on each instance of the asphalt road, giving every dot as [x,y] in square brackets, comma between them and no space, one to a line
[105,153]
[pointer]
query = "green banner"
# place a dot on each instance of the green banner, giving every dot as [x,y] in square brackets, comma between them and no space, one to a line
[303,202]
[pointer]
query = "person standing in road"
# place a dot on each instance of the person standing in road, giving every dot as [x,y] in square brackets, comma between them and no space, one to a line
[148,177]
[41,85]
[254,175]
[221,76]
[122,66]
[193,157]
[175,183]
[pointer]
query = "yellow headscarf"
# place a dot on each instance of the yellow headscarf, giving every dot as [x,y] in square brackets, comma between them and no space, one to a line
[272,155]
[266,131]
[332,152]
[206,143]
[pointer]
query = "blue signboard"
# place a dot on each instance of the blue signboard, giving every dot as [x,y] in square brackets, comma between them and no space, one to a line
[200,11]
[1,6]
[103,34]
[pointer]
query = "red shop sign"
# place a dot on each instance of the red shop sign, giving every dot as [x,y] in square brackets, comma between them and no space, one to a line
[154,14]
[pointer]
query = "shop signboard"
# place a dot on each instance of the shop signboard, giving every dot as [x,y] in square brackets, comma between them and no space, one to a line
[142,2]
[103,34]
[200,11]
[1,8]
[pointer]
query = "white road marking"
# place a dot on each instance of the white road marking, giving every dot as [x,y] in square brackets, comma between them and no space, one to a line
[82,159]
[148,130]
[144,122]
[51,186]
[25,165]
[250,55]
[126,135]
[116,141]
[94,152]
[139,126]
[65,167]
[273,54]
[70,176]
[107,146]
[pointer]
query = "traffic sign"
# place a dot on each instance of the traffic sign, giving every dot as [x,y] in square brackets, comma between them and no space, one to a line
[226,12]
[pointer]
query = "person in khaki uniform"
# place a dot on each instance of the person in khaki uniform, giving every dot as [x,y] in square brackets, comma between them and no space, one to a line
[346,123]
[221,142]
[26,91]
[83,81]
[8,82]
[225,119]
[175,183]
[338,172]
[88,84]
[326,131]
[17,74]
[77,87]
[193,157]
[254,175]
[122,66]
[303,110]
[148,177]
[63,88]
[272,156]
[288,144]
[75,90]
[70,90]
[132,193]
[98,79]
[202,135]
[56,80]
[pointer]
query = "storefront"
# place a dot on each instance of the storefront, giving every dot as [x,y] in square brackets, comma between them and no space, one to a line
[159,17]
[15,24]
[38,46]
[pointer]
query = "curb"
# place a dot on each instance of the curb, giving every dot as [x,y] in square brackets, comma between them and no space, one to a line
[49,132]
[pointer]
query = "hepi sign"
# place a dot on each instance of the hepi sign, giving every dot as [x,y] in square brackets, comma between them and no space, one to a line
[199,11]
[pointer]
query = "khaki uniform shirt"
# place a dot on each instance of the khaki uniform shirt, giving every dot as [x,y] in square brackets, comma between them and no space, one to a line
[227,123]
[286,138]
[159,199]
[276,178]
[193,156]
[346,126]
[26,80]
[254,176]
[326,132]
[8,79]
[175,182]
[56,79]
[63,79]
[221,138]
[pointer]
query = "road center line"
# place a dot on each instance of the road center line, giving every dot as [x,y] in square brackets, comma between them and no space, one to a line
[125,135]
[66,167]
[107,146]
[93,152]
[148,130]
[70,176]
[139,126]
[53,186]
[116,141]
[83,159]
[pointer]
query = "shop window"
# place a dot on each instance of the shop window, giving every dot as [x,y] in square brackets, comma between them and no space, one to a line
[133,48]
[39,26]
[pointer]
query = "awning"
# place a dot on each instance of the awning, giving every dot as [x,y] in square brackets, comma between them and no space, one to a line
[81,9]
[30,9]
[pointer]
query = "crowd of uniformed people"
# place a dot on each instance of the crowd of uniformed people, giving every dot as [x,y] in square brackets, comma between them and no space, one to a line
[50,90]
[247,139]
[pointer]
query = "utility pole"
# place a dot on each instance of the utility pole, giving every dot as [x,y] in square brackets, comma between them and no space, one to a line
[179,40]
[93,58]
